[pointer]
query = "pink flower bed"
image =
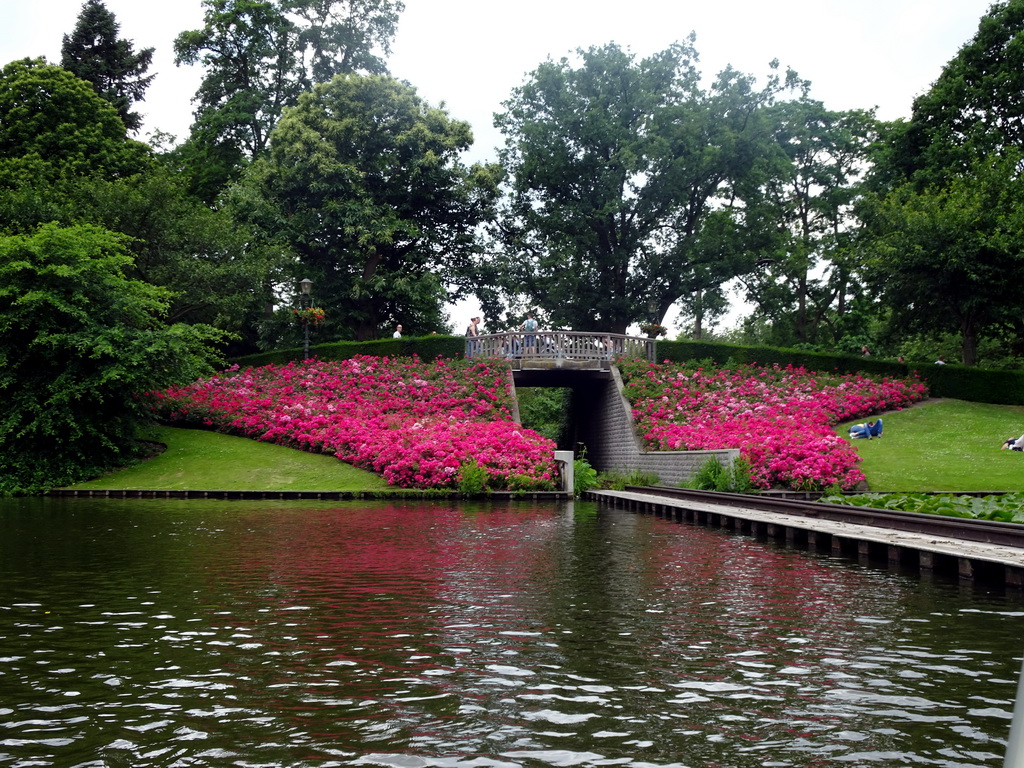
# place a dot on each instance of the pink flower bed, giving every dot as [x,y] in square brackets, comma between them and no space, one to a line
[781,419]
[414,423]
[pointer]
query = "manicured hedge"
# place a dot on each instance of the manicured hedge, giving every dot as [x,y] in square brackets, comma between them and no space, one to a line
[975,384]
[960,382]
[425,347]
[681,351]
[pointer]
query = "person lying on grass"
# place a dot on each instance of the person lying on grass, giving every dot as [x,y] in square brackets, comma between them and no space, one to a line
[869,430]
[1014,444]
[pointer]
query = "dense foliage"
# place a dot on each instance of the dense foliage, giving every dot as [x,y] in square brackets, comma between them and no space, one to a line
[259,57]
[626,179]
[943,218]
[942,256]
[418,424]
[973,109]
[807,280]
[78,341]
[217,271]
[781,419]
[53,128]
[364,182]
[85,321]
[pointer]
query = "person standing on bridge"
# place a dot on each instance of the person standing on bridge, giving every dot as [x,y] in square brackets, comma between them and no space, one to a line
[529,327]
[472,336]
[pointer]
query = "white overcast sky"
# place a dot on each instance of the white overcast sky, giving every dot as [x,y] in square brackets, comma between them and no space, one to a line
[470,54]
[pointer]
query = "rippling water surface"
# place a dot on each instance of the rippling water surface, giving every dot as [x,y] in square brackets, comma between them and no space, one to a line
[184,633]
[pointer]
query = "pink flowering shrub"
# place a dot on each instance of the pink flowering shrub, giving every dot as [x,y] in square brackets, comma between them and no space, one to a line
[414,423]
[781,419]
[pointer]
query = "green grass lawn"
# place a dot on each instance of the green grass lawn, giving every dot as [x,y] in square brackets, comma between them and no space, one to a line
[944,445]
[197,459]
[939,445]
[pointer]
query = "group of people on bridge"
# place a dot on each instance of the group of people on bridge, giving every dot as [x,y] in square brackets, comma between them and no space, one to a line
[530,341]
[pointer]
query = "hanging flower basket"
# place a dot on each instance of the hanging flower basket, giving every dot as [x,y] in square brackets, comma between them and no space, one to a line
[653,330]
[309,315]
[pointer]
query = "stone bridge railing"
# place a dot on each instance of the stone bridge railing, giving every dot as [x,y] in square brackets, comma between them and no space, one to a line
[561,345]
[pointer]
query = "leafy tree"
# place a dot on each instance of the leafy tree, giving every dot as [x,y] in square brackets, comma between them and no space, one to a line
[53,127]
[260,55]
[79,341]
[805,277]
[948,176]
[217,271]
[94,53]
[616,167]
[67,159]
[250,49]
[341,37]
[972,110]
[363,180]
[943,258]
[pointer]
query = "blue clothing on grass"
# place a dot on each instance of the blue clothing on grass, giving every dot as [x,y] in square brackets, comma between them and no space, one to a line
[869,430]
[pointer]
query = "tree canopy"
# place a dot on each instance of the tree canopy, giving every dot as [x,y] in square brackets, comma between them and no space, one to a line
[945,257]
[259,56]
[972,110]
[216,270]
[364,181]
[624,182]
[68,160]
[944,212]
[79,342]
[806,216]
[94,53]
[53,127]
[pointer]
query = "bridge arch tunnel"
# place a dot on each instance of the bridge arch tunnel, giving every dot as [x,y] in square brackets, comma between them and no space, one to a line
[589,395]
[601,419]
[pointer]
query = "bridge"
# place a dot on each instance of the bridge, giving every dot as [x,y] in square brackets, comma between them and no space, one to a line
[600,416]
[560,358]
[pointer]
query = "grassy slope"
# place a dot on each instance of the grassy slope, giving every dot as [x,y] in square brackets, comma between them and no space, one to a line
[944,445]
[940,445]
[200,460]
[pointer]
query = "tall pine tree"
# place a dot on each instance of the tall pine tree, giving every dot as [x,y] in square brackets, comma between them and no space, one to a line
[94,53]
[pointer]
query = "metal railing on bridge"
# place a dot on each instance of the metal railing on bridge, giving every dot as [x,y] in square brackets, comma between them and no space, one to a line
[561,345]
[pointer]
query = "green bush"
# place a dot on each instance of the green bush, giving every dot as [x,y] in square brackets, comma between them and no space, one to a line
[584,475]
[472,478]
[741,476]
[524,483]
[80,338]
[617,481]
[712,476]
[974,384]
[1005,508]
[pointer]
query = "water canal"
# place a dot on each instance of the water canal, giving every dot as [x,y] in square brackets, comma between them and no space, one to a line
[226,633]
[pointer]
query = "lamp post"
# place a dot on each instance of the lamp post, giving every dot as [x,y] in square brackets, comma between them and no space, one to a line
[305,302]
